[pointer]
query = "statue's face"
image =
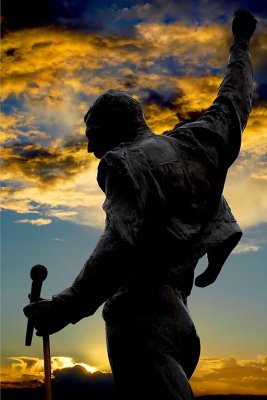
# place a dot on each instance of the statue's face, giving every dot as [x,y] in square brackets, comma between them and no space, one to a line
[95,133]
[110,121]
[94,145]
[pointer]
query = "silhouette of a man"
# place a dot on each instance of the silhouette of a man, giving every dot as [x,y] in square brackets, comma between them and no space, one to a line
[164,210]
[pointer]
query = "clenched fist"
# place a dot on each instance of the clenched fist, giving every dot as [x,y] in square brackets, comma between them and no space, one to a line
[244,25]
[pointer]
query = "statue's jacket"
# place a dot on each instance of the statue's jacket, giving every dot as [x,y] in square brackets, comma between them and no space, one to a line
[164,205]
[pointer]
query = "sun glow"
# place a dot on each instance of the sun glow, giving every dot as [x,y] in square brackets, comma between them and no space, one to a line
[68,362]
[29,371]
[213,375]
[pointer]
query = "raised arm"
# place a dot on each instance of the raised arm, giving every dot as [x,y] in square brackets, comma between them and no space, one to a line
[234,100]
[236,89]
[237,86]
[218,134]
[223,123]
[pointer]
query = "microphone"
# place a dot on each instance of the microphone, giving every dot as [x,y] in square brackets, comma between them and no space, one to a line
[38,275]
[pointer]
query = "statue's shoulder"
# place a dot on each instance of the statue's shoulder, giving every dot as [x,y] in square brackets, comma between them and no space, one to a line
[115,162]
[133,160]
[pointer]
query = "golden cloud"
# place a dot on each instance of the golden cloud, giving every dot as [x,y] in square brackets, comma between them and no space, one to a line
[44,166]
[212,376]
[19,125]
[53,71]
[78,201]
[160,119]
[230,376]
[255,136]
[29,371]
[259,47]
[41,62]
[36,61]
[39,56]
[44,58]
[199,92]
[59,178]
[207,46]
[246,194]
[246,187]
[187,43]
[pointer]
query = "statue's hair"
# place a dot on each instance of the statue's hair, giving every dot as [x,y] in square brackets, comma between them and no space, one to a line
[117,110]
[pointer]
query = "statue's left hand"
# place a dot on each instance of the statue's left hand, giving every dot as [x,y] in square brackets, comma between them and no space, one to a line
[244,24]
[47,316]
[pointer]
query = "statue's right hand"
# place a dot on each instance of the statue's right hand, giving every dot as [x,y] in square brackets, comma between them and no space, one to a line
[47,316]
[244,24]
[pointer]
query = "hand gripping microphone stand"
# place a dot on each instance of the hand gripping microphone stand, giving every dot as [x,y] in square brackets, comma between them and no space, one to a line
[38,275]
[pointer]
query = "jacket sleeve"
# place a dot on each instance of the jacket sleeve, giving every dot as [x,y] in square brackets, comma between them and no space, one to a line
[219,129]
[218,134]
[110,265]
[236,88]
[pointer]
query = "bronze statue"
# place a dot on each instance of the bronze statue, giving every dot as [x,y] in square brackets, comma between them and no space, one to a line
[164,210]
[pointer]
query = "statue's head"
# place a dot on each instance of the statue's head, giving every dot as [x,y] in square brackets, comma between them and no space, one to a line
[115,117]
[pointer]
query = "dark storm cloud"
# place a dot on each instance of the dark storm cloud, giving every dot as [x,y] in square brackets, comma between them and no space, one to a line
[77,382]
[173,100]
[260,95]
[79,375]
[68,384]
[190,11]
[11,52]
[41,45]
[119,17]
[185,118]
[189,116]
[74,144]
[163,97]
[31,153]
[19,14]
[130,81]
[45,165]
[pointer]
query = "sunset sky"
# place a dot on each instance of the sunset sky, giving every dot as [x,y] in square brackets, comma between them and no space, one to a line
[57,57]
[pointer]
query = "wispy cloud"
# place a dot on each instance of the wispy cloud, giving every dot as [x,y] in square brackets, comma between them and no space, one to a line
[56,239]
[254,240]
[38,221]
[246,248]
[230,376]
